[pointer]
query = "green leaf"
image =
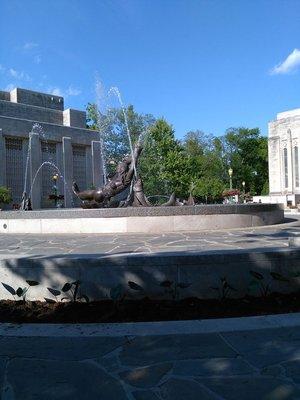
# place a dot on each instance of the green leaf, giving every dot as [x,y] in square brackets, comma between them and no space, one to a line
[10,289]
[19,292]
[84,297]
[67,286]
[134,286]
[32,283]
[55,292]
[117,292]
[50,301]
[257,275]
[279,277]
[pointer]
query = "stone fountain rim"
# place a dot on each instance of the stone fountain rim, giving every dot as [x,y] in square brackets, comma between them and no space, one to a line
[209,209]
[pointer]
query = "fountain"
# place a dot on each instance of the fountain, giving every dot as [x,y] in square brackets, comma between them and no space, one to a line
[120,205]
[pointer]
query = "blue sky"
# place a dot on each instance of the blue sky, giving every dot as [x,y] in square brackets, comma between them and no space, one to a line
[202,65]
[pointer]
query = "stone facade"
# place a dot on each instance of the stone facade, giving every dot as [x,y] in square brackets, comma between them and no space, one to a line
[60,138]
[284,172]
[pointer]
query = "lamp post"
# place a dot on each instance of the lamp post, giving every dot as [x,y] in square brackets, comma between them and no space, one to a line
[243,184]
[230,172]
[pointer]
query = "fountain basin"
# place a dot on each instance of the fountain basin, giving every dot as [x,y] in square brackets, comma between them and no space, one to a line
[142,219]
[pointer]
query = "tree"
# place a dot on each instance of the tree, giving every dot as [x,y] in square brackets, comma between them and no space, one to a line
[113,129]
[209,189]
[246,152]
[5,195]
[163,165]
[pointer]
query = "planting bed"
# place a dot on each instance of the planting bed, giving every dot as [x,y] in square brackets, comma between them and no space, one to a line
[145,309]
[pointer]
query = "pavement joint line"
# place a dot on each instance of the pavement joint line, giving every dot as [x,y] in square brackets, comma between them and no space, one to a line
[219,326]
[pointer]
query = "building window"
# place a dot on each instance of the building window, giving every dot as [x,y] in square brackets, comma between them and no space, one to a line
[79,169]
[296,166]
[14,167]
[286,172]
[48,156]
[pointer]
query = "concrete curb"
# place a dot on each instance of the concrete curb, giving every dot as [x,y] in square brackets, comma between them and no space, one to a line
[151,328]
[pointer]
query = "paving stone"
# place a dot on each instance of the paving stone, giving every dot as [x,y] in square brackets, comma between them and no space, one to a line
[3,362]
[111,364]
[64,380]
[272,346]
[182,389]
[262,388]
[145,395]
[59,348]
[212,367]
[143,351]
[272,236]
[292,369]
[272,370]
[146,377]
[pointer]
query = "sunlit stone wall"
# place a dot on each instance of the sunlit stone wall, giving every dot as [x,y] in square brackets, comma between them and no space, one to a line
[61,138]
[284,141]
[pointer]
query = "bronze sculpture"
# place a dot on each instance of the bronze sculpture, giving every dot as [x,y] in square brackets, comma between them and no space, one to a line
[125,178]
[122,179]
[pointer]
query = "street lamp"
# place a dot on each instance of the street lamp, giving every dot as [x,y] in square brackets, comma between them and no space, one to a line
[244,193]
[230,172]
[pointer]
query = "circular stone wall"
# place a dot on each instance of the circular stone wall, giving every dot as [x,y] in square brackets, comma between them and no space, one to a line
[142,219]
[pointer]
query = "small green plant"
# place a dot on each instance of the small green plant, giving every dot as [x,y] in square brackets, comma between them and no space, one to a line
[118,293]
[264,284]
[20,292]
[173,288]
[224,289]
[5,195]
[70,287]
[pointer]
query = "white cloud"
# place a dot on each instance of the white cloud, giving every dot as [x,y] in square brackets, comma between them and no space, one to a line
[291,63]
[37,59]
[18,74]
[72,91]
[9,87]
[29,46]
[56,91]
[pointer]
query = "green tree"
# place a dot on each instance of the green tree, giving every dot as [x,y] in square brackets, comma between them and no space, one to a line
[163,165]
[5,195]
[209,189]
[246,152]
[113,130]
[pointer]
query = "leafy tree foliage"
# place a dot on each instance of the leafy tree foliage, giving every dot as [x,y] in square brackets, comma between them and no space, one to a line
[246,151]
[113,130]
[163,164]
[198,164]
[5,195]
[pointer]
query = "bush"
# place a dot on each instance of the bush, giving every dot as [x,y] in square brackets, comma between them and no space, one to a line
[5,195]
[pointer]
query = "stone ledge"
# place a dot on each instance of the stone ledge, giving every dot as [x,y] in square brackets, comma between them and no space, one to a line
[219,209]
[200,272]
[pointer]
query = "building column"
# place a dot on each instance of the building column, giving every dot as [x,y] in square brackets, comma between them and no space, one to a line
[2,160]
[35,163]
[97,164]
[88,166]
[67,170]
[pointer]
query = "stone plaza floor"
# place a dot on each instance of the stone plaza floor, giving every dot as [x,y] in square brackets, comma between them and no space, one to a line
[276,236]
[242,364]
[251,364]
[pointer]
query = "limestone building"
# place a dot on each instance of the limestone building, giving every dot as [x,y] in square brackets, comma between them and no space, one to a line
[284,142]
[55,135]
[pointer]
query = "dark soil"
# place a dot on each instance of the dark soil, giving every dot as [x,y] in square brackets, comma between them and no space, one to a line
[145,309]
